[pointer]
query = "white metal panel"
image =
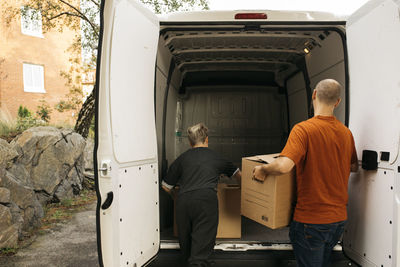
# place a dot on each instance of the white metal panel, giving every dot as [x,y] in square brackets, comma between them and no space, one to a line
[373,41]
[369,230]
[373,47]
[126,134]
[133,57]
[139,220]
[273,15]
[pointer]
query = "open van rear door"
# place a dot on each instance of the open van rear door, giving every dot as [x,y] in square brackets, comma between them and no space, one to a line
[372,234]
[127,168]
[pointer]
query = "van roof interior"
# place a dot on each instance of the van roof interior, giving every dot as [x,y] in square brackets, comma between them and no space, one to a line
[239,56]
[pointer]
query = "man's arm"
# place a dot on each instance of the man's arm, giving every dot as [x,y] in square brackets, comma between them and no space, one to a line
[354,167]
[167,188]
[279,166]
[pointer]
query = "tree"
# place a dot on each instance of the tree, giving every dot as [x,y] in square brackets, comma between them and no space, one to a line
[83,17]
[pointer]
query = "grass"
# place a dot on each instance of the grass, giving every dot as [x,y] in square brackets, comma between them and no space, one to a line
[55,214]
[63,211]
[8,251]
[8,130]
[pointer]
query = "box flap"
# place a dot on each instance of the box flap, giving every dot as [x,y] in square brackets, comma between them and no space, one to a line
[264,158]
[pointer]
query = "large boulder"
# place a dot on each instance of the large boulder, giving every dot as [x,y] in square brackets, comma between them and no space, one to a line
[7,155]
[25,204]
[41,165]
[48,154]
[88,155]
[4,195]
[8,230]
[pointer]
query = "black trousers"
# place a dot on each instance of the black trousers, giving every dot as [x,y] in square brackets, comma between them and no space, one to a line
[197,222]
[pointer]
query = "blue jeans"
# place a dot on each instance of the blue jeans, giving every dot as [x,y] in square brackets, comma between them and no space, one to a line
[313,243]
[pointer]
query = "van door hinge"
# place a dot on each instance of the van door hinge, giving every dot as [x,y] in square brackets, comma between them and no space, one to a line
[105,168]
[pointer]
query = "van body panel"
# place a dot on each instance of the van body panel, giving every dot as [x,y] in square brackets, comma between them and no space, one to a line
[373,40]
[127,145]
[272,15]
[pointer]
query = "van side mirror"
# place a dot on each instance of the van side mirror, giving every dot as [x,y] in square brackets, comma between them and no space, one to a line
[369,160]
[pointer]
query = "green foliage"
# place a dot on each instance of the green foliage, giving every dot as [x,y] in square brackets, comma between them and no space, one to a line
[8,251]
[168,6]
[26,120]
[23,112]
[44,111]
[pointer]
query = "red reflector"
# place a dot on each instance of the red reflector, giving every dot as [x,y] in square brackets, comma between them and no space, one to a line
[251,16]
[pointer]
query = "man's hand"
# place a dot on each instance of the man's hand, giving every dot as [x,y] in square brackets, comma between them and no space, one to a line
[259,173]
[279,166]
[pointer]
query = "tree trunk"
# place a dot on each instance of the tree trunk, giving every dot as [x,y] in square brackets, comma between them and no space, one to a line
[85,115]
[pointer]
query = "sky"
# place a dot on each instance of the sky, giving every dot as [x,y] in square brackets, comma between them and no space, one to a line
[338,7]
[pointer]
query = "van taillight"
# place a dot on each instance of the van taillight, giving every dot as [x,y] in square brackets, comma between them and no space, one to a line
[251,16]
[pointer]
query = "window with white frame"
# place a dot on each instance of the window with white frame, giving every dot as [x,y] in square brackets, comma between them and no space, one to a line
[33,78]
[31,22]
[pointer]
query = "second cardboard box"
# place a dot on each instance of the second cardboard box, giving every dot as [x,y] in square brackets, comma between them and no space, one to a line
[269,203]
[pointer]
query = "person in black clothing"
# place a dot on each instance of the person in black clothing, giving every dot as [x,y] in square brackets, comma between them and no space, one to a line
[196,172]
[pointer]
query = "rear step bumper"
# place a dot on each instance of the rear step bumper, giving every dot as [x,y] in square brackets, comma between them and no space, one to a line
[253,258]
[240,246]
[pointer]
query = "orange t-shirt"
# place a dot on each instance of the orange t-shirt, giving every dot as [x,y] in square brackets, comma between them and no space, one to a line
[323,150]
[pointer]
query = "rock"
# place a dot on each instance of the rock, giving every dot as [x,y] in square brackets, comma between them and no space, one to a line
[40,165]
[4,195]
[24,199]
[5,217]
[8,230]
[48,154]
[21,174]
[88,155]
[72,185]
[7,155]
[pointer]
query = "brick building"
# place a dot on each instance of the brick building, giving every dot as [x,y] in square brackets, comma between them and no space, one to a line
[30,65]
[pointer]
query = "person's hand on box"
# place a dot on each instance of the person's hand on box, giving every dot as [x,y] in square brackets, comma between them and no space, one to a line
[259,173]
[279,166]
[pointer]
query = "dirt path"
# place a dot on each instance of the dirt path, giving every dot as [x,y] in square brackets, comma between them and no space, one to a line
[71,244]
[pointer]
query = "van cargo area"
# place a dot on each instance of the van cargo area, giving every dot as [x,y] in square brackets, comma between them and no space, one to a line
[249,83]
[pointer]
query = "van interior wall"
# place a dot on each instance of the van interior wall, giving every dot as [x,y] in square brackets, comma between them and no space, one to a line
[162,69]
[297,99]
[328,62]
[322,63]
[242,120]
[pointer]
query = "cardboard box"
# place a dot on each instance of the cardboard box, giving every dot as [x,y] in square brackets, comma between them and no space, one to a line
[269,203]
[230,225]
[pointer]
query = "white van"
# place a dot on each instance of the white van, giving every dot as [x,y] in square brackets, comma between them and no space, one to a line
[249,77]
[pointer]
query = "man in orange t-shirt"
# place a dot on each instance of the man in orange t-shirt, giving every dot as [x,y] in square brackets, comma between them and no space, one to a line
[323,151]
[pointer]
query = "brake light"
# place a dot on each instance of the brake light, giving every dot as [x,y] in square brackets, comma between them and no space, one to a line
[251,16]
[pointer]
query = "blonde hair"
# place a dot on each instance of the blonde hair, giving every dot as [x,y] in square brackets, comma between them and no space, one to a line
[197,134]
[328,91]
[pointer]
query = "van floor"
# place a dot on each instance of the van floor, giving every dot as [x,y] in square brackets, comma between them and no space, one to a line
[168,257]
[251,232]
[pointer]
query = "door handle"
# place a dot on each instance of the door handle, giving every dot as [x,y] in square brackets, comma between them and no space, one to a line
[107,203]
[105,167]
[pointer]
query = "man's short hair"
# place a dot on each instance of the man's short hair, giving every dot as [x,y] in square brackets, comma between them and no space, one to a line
[197,134]
[328,91]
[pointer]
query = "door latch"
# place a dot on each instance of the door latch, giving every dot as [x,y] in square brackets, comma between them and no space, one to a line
[105,167]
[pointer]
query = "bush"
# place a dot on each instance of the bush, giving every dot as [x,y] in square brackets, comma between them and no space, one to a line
[25,120]
[23,112]
[44,111]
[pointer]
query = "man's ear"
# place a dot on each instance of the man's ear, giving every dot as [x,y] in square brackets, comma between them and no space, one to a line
[314,95]
[206,141]
[338,102]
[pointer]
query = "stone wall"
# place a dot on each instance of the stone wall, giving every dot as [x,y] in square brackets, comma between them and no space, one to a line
[42,165]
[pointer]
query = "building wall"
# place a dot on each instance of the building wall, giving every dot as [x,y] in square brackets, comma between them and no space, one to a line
[17,48]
